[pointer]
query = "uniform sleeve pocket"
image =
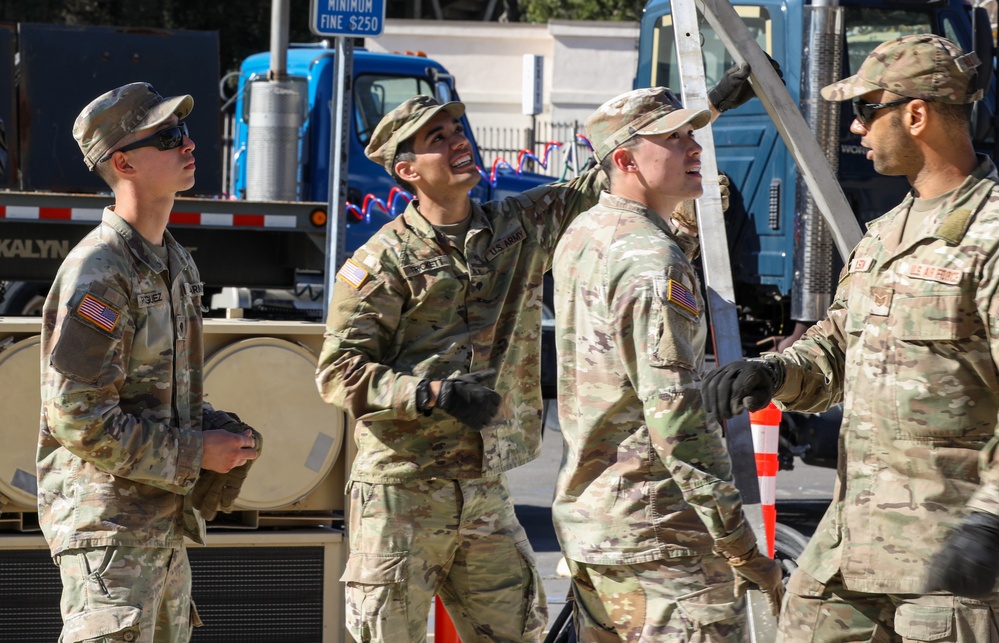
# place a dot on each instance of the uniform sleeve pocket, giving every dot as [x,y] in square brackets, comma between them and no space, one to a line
[924,622]
[91,327]
[119,623]
[671,330]
[82,352]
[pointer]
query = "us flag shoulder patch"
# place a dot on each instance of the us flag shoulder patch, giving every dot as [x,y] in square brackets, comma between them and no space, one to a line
[98,312]
[681,296]
[352,273]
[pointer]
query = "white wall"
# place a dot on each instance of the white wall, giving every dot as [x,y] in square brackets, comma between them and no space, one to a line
[586,63]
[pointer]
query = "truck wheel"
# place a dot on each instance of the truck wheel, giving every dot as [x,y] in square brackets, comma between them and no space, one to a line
[22,298]
[789,543]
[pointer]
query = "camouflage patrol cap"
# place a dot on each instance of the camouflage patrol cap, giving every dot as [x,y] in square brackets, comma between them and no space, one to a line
[923,66]
[402,123]
[113,115]
[641,112]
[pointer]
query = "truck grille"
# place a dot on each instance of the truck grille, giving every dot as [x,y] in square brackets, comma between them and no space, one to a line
[246,594]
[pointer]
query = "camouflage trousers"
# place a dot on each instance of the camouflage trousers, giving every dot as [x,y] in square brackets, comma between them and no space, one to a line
[677,600]
[458,539]
[129,594]
[830,613]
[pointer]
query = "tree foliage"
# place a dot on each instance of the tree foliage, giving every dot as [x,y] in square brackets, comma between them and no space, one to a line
[545,10]
[244,27]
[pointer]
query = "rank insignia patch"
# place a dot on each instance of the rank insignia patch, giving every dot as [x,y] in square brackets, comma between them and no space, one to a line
[98,312]
[352,273]
[681,296]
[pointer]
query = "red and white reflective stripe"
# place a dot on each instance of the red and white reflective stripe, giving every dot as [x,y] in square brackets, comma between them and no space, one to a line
[50,214]
[765,425]
[181,218]
[234,220]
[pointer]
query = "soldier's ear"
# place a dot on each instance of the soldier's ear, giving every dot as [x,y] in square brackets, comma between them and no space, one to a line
[915,115]
[405,171]
[624,160]
[119,162]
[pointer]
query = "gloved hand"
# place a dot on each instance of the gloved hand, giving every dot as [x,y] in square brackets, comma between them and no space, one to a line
[684,213]
[468,400]
[968,564]
[213,490]
[756,571]
[733,90]
[741,385]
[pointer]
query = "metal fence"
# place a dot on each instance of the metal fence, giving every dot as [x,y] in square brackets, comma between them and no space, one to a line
[553,149]
[563,160]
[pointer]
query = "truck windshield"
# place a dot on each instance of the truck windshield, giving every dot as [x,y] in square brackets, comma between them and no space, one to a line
[865,28]
[376,95]
[716,59]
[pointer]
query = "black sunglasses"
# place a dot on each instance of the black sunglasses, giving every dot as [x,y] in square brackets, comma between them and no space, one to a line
[166,139]
[865,111]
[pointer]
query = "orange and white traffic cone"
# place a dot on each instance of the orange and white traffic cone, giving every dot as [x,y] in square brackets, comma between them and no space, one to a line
[444,631]
[765,425]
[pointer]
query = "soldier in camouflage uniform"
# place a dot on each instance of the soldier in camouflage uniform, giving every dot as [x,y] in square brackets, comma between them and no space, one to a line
[909,548]
[433,345]
[645,509]
[432,322]
[121,442]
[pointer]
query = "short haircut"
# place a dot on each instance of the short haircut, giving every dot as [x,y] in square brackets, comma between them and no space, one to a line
[404,152]
[607,164]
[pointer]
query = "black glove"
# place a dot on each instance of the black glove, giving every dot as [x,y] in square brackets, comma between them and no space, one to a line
[213,490]
[741,385]
[733,90]
[968,564]
[468,400]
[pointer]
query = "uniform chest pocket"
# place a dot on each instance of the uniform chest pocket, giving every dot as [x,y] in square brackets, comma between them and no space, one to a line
[673,325]
[942,316]
[437,296]
[932,341]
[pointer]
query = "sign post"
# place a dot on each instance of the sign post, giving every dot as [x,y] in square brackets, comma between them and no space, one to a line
[343,20]
[347,18]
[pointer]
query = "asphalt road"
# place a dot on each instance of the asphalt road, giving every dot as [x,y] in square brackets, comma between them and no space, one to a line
[802,495]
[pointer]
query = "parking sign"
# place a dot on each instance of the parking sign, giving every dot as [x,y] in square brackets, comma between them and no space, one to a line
[351,18]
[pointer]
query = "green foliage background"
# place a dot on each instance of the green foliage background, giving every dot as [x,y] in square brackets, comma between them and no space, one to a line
[545,10]
[244,26]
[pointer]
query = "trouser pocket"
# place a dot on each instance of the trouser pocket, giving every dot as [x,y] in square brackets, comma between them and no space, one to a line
[535,603]
[377,607]
[118,624]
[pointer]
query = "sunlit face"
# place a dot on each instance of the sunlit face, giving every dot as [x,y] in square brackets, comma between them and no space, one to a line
[669,166]
[172,170]
[444,159]
[889,145]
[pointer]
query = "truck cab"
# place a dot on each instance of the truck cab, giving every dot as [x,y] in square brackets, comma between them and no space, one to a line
[380,83]
[764,223]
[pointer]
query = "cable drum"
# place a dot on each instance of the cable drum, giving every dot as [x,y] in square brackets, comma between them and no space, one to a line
[258,379]
[21,401]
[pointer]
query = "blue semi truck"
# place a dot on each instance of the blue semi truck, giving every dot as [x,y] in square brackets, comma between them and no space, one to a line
[784,267]
[380,82]
[784,264]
